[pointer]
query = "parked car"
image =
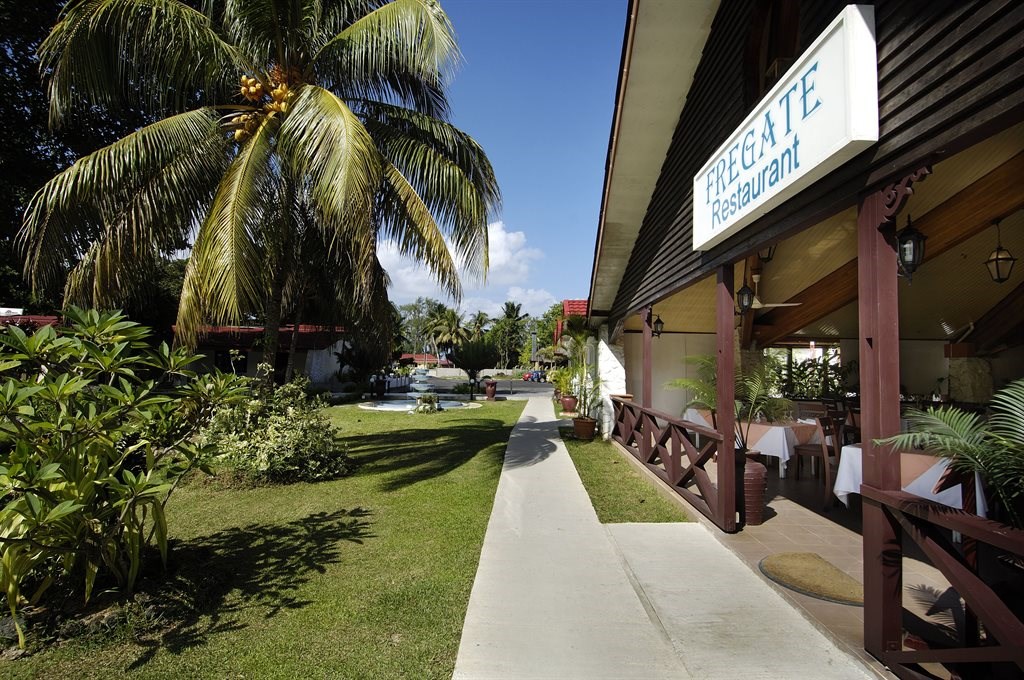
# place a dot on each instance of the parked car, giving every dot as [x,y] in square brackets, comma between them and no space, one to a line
[535,376]
[528,376]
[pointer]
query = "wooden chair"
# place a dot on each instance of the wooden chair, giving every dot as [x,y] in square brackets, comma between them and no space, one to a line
[823,449]
[839,418]
[853,425]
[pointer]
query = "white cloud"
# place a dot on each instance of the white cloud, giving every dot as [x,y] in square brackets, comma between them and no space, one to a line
[510,266]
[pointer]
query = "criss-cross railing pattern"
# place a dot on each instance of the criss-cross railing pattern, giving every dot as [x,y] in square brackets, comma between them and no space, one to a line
[667,446]
[929,525]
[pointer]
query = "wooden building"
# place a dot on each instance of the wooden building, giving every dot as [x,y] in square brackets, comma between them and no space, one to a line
[714,157]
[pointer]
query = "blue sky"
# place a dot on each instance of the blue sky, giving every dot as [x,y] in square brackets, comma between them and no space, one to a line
[536,88]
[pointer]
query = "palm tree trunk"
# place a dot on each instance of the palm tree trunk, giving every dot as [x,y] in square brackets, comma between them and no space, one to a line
[289,370]
[272,326]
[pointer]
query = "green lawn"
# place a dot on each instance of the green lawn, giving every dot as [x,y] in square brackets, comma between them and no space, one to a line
[618,491]
[363,577]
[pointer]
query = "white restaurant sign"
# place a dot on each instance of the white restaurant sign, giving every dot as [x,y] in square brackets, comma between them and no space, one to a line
[822,113]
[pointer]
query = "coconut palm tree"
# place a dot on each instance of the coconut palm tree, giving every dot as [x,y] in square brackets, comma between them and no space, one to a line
[269,115]
[448,330]
[477,325]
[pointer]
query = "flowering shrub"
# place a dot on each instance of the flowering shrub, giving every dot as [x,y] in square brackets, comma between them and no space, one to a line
[279,435]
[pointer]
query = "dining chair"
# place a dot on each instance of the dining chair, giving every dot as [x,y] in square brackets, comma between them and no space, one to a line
[839,422]
[853,425]
[827,432]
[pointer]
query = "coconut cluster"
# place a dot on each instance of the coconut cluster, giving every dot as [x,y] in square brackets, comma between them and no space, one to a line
[244,125]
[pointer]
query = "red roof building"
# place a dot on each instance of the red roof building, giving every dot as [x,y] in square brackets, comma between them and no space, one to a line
[407,359]
[570,308]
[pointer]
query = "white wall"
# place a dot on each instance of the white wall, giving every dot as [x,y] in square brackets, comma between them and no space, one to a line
[321,364]
[612,371]
[668,361]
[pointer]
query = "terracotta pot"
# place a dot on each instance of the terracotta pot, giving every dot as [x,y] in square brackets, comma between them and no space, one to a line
[755,484]
[490,389]
[583,428]
[569,403]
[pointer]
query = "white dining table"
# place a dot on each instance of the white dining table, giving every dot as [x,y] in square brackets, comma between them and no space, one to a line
[771,439]
[851,475]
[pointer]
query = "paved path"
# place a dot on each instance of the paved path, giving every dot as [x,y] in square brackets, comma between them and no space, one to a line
[558,595]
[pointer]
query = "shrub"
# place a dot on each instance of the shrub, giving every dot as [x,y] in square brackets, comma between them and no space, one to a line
[279,435]
[96,430]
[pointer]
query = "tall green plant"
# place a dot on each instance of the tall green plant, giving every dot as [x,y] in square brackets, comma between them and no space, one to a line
[993,449]
[474,356]
[96,429]
[756,392]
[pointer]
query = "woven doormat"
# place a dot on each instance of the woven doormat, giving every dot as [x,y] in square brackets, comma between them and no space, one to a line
[813,575]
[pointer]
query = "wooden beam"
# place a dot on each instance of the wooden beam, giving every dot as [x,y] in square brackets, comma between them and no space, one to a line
[878,313]
[999,322]
[957,219]
[725,368]
[646,389]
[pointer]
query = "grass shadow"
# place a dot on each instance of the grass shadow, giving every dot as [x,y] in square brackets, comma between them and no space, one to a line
[405,457]
[211,580]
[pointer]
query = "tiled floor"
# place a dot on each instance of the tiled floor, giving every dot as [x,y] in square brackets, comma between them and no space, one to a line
[795,522]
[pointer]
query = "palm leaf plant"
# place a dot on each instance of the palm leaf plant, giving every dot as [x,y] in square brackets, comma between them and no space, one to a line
[993,449]
[756,386]
[269,117]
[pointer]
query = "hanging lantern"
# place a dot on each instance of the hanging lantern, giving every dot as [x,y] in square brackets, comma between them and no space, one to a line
[745,298]
[766,254]
[659,326]
[910,249]
[1000,262]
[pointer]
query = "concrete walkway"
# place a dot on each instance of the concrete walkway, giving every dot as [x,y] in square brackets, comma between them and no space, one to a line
[559,595]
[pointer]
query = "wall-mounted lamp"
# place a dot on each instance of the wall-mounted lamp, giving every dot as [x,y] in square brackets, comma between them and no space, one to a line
[657,327]
[910,249]
[1000,262]
[745,298]
[766,254]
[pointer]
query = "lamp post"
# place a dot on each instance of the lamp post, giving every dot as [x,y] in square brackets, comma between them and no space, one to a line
[1000,262]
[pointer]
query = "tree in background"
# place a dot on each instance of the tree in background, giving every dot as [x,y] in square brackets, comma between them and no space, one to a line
[478,324]
[416,320]
[32,152]
[447,331]
[508,331]
[474,356]
[270,116]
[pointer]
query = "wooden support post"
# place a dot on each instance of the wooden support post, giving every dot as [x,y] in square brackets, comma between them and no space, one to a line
[646,392]
[878,311]
[726,402]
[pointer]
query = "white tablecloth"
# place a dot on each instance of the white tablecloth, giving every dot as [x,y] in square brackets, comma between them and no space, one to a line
[851,474]
[771,439]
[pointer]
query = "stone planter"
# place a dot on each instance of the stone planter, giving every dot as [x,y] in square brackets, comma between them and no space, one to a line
[569,403]
[755,485]
[491,389]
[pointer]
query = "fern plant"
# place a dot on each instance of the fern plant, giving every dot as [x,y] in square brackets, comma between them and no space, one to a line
[993,449]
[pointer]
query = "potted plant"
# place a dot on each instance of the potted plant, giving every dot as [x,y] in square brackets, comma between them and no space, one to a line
[564,385]
[589,393]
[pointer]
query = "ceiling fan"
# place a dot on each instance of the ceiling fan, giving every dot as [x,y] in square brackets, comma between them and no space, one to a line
[767,305]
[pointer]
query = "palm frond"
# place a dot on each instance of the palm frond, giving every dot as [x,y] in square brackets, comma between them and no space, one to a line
[152,54]
[1008,412]
[141,193]
[324,143]
[406,221]
[224,277]
[447,169]
[401,51]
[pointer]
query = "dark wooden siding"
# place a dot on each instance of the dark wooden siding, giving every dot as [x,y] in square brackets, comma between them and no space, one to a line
[950,73]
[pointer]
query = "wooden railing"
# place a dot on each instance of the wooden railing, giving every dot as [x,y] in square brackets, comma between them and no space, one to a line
[677,451]
[992,632]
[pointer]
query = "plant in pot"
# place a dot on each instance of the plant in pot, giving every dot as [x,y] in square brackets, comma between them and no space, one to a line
[563,382]
[756,386]
[589,393]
